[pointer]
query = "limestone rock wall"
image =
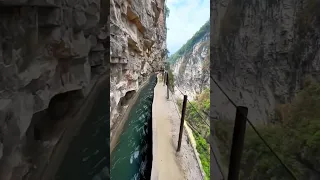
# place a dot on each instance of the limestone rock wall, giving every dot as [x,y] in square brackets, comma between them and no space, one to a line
[47,47]
[138,43]
[191,71]
[261,53]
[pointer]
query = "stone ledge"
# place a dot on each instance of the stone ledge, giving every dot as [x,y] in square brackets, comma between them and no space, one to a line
[154,169]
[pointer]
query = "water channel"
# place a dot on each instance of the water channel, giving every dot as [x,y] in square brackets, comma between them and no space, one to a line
[89,153]
[132,157]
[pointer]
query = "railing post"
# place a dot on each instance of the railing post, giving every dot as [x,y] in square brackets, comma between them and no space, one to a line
[237,142]
[164,77]
[185,98]
[168,84]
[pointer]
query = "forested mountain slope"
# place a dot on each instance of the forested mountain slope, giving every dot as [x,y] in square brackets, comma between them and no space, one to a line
[190,64]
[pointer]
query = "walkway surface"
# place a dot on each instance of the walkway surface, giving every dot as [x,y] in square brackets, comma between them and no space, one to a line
[167,163]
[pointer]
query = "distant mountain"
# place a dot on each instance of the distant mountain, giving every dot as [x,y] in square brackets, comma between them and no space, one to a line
[187,47]
[190,64]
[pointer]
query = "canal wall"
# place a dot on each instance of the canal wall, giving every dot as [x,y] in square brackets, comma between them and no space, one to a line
[117,128]
[86,144]
[154,168]
[50,51]
[71,125]
[131,157]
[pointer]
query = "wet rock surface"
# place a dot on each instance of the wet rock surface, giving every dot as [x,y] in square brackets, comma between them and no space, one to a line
[191,70]
[262,52]
[47,48]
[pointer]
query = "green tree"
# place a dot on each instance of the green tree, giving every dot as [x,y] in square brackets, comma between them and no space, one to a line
[167,11]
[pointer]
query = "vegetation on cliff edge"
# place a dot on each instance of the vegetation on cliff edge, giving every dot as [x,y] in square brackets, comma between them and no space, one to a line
[167,11]
[187,47]
[295,137]
[200,105]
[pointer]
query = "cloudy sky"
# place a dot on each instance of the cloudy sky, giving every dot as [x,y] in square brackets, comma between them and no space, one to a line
[185,19]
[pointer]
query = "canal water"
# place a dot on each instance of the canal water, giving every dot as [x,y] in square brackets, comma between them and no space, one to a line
[88,155]
[132,157]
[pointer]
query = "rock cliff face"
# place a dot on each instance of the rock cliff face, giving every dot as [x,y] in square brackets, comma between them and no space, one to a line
[51,53]
[191,69]
[262,51]
[138,48]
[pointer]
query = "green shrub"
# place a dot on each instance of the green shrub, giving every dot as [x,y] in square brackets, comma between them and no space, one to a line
[202,103]
[203,149]
[167,11]
[296,139]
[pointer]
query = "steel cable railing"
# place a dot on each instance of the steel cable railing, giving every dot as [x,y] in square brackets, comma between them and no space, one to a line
[255,130]
[194,129]
[249,122]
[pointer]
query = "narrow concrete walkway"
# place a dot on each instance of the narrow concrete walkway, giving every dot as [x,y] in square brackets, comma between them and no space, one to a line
[167,163]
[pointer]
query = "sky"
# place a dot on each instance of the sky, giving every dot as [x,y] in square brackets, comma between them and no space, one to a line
[185,19]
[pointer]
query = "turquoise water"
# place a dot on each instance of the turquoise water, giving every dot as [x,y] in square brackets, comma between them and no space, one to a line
[132,157]
[89,152]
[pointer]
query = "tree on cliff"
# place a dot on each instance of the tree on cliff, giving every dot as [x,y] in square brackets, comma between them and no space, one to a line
[167,11]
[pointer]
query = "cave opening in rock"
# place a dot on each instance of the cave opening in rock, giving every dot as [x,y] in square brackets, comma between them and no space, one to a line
[43,126]
[124,101]
[33,133]
[219,76]
[36,134]
[62,103]
[43,123]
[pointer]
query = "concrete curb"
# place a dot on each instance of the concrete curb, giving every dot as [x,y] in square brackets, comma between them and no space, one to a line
[154,168]
[186,127]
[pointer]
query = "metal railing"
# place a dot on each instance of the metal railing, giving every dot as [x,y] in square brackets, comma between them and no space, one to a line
[238,138]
